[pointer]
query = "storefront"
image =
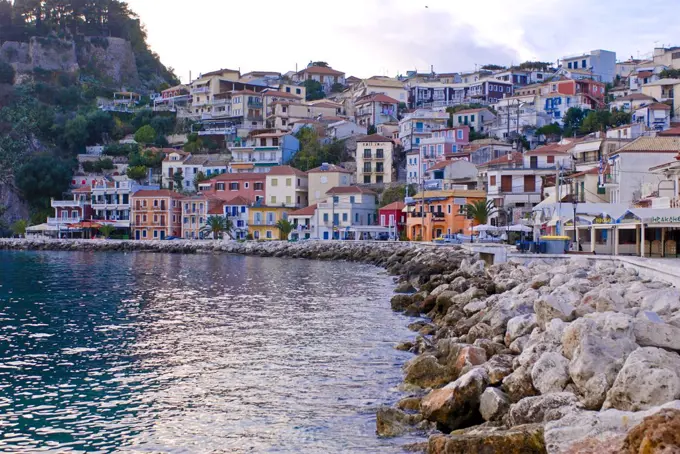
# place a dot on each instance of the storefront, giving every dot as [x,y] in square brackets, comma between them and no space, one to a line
[657,230]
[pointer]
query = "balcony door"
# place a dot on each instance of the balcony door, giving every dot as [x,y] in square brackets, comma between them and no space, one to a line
[529,183]
[506,183]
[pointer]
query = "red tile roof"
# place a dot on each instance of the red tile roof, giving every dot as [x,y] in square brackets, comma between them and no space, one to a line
[374,138]
[635,97]
[376,97]
[157,193]
[593,171]
[83,189]
[511,158]
[658,106]
[216,207]
[238,201]
[286,170]
[397,206]
[471,111]
[551,149]
[307,211]
[237,177]
[329,168]
[280,94]
[322,70]
[349,190]
[675,131]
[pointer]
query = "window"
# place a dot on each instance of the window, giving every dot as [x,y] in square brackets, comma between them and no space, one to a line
[289,182]
[529,183]
[144,234]
[367,179]
[325,217]
[219,186]
[273,199]
[492,180]
[155,233]
[459,134]
[379,179]
[460,119]
[569,65]
[288,89]
[144,219]
[506,183]
[367,153]
[258,186]
[246,185]
[233,186]
[351,199]
[268,235]
[472,118]
[356,218]
[288,200]
[584,63]
[551,159]
[344,217]
[379,153]
[275,181]
[298,91]
[367,167]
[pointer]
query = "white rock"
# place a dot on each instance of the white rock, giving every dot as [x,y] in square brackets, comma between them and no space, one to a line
[554,330]
[650,377]
[550,306]
[550,373]
[519,326]
[610,425]
[539,409]
[439,290]
[662,301]
[650,333]
[474,307]
[493,404]
[598,346]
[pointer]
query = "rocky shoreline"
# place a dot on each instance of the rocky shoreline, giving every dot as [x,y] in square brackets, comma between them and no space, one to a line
[562,357]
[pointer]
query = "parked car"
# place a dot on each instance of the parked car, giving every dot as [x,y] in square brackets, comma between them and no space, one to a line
[170,238]
[447,239]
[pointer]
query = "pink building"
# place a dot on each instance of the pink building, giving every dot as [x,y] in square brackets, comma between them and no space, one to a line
[228,186]
[443,144]
[77,207]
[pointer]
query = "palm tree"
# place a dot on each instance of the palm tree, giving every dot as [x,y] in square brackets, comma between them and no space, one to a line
[106,230]
[19,227]
[285,227]
[216,225]
[480,210]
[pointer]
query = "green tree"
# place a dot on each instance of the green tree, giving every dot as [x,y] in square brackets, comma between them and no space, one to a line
[573,118]
[552,131]
[670,74]
[480,211]
[41,177]
[337,88]
[19,227]
[145,135]
[620,118]
[314,90]
[6,73]
[285,227]
[396,194]
[492,67]
[371,130]
[178,180]
[199,178]
[136,173]
[106,230]
[76,134]
[216,226]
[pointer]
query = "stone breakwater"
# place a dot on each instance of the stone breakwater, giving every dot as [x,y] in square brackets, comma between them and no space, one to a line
[526,357]
[534,357]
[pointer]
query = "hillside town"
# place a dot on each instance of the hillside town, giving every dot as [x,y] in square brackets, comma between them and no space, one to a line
[586,147]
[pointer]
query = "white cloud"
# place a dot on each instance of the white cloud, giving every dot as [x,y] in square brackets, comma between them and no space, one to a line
[366,37]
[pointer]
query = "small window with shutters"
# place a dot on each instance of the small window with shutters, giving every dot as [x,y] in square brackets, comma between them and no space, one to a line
[551,159]
[492,180]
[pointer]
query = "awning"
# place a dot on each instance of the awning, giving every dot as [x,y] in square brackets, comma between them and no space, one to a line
[42,228]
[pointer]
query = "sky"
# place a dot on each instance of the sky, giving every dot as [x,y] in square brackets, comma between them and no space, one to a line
[389,37]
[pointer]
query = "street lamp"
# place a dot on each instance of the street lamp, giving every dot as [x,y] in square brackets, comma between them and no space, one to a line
[574,205]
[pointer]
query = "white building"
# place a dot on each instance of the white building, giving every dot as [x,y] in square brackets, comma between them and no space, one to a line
[111,201]
[287,187]
[629,178]
[236,210]
[655,116]
[345,210]
[189,167]
[419,125]
[600,63]
[479,120]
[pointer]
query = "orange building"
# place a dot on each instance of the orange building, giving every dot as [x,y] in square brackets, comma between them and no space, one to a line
[156,214]
[444,214]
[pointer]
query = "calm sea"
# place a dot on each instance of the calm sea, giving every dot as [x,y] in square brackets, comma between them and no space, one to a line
[104,352]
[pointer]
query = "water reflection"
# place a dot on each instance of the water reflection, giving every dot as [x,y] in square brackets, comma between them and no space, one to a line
[177,353]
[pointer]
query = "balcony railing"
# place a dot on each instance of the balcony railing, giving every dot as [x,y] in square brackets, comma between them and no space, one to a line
[264,222]
[68,203]
[63,221]
[196,91]
[255,104]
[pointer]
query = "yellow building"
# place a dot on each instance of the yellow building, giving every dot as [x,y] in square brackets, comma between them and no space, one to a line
[324,178]
[262,221]
[374,159]
[204,89]
[286,186]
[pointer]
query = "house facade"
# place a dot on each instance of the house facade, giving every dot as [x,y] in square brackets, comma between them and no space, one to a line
[442,144]
[325,75]
[437,213]
[237,211]
[418,125]
[156,214]
[374,159]
[393,217]
[601,64]
[324,178]
[344,209]
[75,208]
[262,220]
[189,167]
[263,151]
[194,215]
[375,109]
[478,120]
[655,116]
[287,187]
[225,187]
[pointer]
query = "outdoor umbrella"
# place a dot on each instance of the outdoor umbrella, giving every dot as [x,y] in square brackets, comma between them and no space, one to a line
[484,228]
[520,228]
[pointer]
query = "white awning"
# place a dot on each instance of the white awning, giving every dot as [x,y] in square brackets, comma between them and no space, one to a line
[42,228]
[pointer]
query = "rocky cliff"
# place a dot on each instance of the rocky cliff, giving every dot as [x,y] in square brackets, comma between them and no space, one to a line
[110,60]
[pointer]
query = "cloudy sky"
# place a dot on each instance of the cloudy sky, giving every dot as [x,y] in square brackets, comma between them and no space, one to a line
[389,37]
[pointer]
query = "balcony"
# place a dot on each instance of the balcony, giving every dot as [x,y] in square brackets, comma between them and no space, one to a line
[254,117]
[110,206]
[69,203]
[63,221]
[261,222]
[199,90]
[254,104]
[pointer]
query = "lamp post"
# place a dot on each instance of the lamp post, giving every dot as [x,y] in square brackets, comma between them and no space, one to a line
[574,205]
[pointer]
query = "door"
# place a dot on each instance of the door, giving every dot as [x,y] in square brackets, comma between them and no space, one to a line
[162,234]
[137,236]
[506,183]
[533,162]
[529,183]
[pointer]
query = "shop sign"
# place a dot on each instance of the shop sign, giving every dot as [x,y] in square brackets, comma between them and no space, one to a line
[664,220]
[603,220]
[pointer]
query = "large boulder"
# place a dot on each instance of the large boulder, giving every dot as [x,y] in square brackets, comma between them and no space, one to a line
[656,434]
[552,306]
[539,409]
[518,385]
[401,302]
[597,345]
[550,373]
[651,332]
[650,377]
[392,422]
[516,440]
[493,404]
[457,403]
[426,372]
[469,357]
[498,367]
[519,326]
[595,431]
